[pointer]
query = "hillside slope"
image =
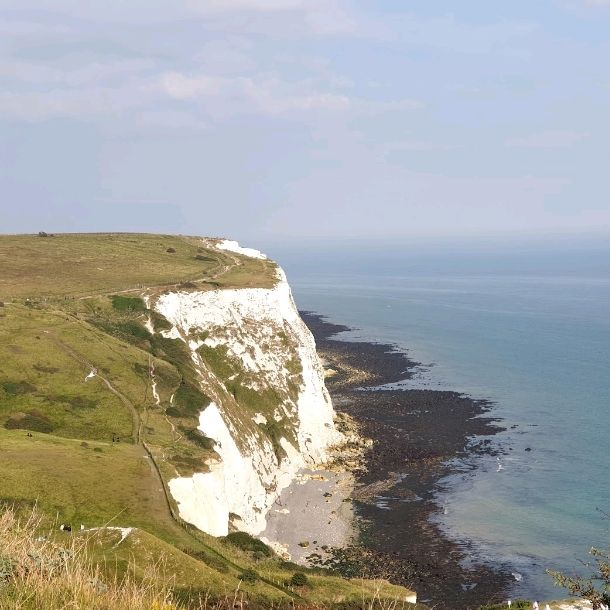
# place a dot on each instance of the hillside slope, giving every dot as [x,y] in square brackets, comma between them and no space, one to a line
[149,381]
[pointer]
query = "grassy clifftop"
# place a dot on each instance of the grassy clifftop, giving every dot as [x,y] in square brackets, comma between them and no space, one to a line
[84,264]
[86,437]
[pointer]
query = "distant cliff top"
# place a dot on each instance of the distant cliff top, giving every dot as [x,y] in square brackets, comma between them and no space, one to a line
[82,264]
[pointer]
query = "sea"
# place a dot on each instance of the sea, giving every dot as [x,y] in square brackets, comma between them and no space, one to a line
[522,323]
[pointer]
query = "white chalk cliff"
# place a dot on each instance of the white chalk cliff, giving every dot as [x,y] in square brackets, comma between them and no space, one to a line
[261,335]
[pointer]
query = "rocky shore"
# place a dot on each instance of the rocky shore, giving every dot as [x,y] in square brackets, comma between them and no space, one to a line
[416,436]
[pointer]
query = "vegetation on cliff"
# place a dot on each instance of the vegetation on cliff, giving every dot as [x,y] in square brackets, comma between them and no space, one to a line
[98,409]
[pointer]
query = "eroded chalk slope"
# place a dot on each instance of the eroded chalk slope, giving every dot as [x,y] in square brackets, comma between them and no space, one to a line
[270,413]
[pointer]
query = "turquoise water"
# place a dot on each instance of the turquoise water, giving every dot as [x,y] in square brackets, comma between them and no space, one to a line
[531,332]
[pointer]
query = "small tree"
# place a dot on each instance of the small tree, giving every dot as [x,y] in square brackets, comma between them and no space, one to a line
[595,588]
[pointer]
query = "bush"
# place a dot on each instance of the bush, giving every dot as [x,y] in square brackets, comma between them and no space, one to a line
[121,303]
[189,399]
[174,351]
[596,586]
[134,329]
[159,322]
[32,420]
[246,542]
[197,437]
[289,565]
[218,360]
[79,402]
[298,579]
[249,576]
[171,250]
[16,388]
[187,462]
[45,369]
[211,561]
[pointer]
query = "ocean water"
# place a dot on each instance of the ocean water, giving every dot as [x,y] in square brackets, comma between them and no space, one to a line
[526,326]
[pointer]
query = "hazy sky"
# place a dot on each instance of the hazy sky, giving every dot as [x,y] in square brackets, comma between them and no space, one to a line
[265,119]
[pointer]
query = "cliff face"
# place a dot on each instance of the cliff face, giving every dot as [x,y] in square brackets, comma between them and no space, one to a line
[270,413]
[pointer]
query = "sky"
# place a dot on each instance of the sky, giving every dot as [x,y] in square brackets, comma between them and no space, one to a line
[301,119]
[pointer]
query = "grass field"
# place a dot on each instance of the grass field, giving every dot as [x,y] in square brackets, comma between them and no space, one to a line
[72,265]
[82,437]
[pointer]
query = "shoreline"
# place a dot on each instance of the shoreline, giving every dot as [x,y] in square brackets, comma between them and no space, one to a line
[416,434]
[313,513]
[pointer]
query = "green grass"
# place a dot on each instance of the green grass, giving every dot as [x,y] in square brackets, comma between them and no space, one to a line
[79,484]
[37,373]
[72,265]
[66,313]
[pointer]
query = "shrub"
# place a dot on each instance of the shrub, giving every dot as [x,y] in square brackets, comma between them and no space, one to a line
[171,250]
[45,369]
[596,586]
[32,420]
[197,437]
[186,462]
[298,579]
[246,542]
[211,561]
[218,360]
[174,351]
[159,322]
[134,329]
[249,576]
[121,303]
[141,369]
[16,388]
[275,432]
[294,366]
[189,399]
[80,402]
[289,565]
